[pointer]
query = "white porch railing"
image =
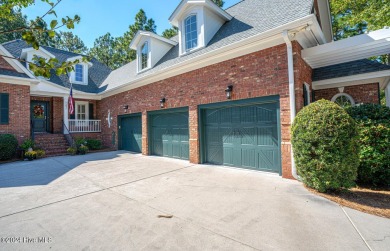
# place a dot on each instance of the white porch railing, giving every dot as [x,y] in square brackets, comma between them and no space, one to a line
[76,125]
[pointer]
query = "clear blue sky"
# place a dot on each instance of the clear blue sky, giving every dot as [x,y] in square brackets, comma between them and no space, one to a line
[101,16]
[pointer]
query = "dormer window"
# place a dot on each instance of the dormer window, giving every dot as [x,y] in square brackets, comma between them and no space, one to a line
[191,32]
[79,74]
[150,49]
[144,56]
[198,21]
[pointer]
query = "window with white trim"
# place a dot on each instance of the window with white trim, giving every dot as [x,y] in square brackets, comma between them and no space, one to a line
[191,32]
[144,56]
[343,100]
[79,73]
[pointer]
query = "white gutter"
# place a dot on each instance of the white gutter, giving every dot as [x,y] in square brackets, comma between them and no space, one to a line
[291,88]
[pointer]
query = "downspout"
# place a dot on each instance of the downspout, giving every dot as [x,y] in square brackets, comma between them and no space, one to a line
[291,88]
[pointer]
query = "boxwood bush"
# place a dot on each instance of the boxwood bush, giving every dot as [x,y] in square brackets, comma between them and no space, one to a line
[8,146]
[374,140]
[94,144]
[324,139]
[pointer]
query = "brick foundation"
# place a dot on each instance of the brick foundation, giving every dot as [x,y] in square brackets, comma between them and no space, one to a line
[367,93]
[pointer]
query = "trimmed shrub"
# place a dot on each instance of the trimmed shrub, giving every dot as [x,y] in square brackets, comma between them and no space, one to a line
[374,140]
[80,141]
[324,139]
[28,143]
[94,144]
[8,146]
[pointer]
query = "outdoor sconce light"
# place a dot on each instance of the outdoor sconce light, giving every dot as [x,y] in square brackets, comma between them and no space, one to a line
[125,107]
[162,102]
[229,91]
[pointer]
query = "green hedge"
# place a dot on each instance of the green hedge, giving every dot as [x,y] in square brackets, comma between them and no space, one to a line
[324,139]
[374,140]
[8,146]
[94,144]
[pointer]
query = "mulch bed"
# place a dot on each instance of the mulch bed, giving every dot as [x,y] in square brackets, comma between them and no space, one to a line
[368,200]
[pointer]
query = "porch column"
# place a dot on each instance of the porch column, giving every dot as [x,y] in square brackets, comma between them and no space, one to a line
[387,94]
[66,116]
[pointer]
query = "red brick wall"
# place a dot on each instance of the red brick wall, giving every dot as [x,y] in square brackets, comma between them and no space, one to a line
[58,114]
[259,74]
[302,75]
[87,135]
[19,113]
[4,65]
[367,93]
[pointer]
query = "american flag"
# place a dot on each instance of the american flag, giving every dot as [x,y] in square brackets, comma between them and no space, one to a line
[71,101]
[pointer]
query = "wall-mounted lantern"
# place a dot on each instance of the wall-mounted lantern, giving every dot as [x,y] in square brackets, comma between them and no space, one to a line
[125,107]
[229,91]
[162,102]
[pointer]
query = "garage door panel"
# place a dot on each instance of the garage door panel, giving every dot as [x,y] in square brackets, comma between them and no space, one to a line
[131,133]
[268,136]
[246,136]
[249,158]
[228,156]
[172,130]
[267,160]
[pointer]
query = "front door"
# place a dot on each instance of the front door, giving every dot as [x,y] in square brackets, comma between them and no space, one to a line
[40,116]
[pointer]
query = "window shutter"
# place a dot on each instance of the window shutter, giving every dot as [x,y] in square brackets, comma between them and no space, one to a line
[4,108]
[91,111]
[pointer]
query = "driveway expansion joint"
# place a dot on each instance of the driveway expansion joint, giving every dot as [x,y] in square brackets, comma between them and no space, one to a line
[356,229]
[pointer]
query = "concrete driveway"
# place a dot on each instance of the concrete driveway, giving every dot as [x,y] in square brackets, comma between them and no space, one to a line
[111,201]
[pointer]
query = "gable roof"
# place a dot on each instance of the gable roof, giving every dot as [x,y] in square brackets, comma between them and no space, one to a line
[96,74]
[250,18]
[13,73]
[348,69]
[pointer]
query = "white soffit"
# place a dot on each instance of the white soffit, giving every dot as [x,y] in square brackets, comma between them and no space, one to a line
[372,44]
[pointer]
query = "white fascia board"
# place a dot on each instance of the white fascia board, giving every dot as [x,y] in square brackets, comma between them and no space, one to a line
[354,48]
[366,78]
[17,80]
[15,63]
[26,50]
[44,87]
[140,34]
[174,18]
[79,57]
[255,43]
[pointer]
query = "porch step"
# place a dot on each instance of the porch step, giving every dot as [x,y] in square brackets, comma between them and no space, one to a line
[53,144]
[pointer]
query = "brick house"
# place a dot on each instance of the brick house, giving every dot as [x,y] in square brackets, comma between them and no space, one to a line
[224,91]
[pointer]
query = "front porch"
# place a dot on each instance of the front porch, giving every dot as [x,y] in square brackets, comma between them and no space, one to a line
[50,115]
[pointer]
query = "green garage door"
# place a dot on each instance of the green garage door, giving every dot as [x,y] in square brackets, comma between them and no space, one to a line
[169,134]
[131,133]
[243,136]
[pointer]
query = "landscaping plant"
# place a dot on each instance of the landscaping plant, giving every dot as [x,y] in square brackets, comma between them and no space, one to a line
[94,144]
[30,155]
[72,150]
[8,146]
[27,144]
[324,139]
[40,153]
[373,123]
[83,149]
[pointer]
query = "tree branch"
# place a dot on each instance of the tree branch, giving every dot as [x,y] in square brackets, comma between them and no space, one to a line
[32,28]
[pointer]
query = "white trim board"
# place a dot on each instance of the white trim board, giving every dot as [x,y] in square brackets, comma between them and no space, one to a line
[349,49]
[367,78]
